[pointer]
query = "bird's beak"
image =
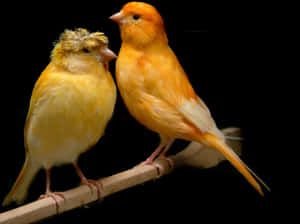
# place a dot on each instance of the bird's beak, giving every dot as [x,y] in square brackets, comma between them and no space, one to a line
[117,17]
[108,54]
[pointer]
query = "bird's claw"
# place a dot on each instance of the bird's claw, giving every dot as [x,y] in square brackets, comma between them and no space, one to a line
[93,183]
[169,161]
[159,167]
[54,196]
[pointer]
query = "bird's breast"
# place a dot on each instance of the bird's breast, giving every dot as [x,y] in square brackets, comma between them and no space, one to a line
[70,115]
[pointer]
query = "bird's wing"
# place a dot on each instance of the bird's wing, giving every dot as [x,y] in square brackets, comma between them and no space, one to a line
[35,96]
[175,88]
[199,115]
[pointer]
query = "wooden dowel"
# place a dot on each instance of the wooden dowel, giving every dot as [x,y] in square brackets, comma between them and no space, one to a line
[80,196]
[83,195]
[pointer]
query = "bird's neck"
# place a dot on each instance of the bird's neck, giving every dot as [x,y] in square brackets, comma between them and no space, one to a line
[79,64]
[144,41]
[155,46]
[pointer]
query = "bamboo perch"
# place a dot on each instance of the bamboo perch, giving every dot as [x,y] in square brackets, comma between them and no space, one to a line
[191,156]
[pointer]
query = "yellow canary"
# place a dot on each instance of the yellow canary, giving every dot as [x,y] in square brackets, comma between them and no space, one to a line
[70,106]
[157,91]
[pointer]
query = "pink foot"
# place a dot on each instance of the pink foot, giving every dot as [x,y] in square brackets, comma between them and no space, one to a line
[146,162]
[97,184]
[160,169]
[170,161]
[54,196]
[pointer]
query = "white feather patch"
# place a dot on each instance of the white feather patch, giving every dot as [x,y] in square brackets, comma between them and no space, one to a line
[200,116]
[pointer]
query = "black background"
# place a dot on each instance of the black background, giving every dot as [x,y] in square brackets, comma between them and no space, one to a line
[228,63]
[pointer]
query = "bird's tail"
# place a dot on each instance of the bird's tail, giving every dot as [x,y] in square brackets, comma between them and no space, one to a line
[19,191]
[234,159]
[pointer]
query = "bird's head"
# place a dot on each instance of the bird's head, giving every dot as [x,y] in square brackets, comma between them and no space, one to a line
[140,24]
[83,44]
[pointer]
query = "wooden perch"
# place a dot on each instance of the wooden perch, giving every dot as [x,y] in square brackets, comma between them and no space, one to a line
[194,155]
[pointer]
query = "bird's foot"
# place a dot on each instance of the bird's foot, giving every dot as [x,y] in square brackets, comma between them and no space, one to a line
[169,161]
[93,183]
[55,196]
[160,168]
[146,162]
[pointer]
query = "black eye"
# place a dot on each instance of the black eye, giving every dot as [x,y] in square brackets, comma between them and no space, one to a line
[85,50]
[136,17]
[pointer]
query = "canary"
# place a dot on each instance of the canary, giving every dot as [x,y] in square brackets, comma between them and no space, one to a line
[156,90]
[70,106]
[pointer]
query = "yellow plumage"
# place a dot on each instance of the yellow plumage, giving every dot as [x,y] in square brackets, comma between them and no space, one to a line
[69,114]
[71,104]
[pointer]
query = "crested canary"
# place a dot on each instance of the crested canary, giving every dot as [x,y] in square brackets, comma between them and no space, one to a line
[156,90]
[70,106]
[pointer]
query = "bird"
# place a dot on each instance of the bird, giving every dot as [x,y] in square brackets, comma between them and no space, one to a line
[71,104]
[157,92]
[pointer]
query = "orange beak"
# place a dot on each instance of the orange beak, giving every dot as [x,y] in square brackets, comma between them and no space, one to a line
[117,17]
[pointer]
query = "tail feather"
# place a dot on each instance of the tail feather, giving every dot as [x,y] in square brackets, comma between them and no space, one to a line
[234,159]
[259,179]
[19,191]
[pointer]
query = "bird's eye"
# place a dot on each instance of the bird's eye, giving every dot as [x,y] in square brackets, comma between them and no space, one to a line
[136,17]
[85,50]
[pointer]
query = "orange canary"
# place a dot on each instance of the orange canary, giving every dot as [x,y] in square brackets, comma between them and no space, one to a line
[156,90]
[70,106]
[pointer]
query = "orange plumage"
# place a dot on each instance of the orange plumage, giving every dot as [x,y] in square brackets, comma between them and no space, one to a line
[156,89]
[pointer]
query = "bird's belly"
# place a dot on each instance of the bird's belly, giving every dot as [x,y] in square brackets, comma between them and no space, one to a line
[67,122]
[157,115]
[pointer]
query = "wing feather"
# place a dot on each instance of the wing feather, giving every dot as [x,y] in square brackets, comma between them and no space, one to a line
[175,88]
